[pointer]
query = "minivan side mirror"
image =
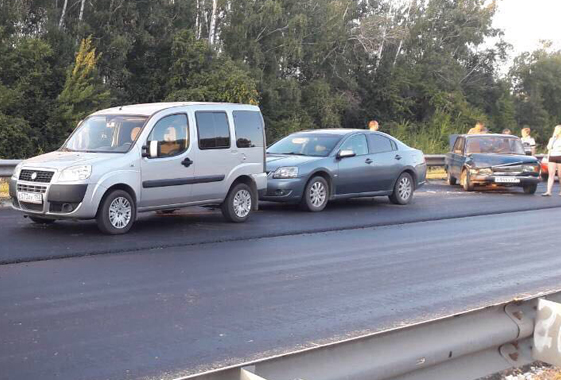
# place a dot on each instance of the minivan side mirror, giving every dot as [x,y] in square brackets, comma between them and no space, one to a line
[152,150]
[345,153]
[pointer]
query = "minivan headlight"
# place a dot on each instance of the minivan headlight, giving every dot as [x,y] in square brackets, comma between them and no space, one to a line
[286,172]
[17,171]
[75,173]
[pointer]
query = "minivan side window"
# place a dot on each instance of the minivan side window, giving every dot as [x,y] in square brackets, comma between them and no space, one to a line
[357,144]
[380,144]
[172,132]
[214,130]
[249,129]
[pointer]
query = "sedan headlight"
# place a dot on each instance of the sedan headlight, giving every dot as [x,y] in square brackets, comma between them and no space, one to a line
[17,171]
[75,173]
[286,172]
[530,168]
[483,171]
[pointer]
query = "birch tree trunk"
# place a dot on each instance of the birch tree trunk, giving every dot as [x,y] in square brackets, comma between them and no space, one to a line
[212,29]
[197,22]
[82,10]
[63,13]
[405,25]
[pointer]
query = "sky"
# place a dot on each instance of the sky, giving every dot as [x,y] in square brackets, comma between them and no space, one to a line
[526,22]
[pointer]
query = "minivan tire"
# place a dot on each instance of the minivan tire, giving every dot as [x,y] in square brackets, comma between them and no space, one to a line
[403,190]
[39,220]
[315,202]
[117,213]
[238,204]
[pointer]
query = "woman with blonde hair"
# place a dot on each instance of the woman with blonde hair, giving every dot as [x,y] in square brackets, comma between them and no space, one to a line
[554,155]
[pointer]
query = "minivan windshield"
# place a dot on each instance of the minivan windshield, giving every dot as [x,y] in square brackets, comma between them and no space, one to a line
[105,134]
[494,144]
[305,144]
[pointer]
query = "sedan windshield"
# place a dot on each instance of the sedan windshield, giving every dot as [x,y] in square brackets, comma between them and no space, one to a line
[105,134]
[494,144]
[305,144]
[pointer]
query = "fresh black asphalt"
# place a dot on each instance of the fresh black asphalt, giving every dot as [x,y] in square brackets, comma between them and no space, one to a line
[174,302]
[23,241]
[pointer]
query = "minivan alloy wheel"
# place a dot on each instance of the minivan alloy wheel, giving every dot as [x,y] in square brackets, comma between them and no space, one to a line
[242,203]
[318,194]
[404,188]
[120,212]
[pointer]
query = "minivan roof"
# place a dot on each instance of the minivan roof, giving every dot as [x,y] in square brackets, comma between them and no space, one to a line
[149,109]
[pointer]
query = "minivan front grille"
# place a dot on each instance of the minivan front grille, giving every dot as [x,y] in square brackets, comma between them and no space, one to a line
[36,176]
[32,188]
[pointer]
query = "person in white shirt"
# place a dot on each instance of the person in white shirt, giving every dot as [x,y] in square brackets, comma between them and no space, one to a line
[554,155]
[528,141]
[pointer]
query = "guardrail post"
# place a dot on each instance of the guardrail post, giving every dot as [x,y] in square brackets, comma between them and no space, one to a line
[247,373]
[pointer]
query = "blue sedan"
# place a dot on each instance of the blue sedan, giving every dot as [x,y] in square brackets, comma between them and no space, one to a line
[314,167]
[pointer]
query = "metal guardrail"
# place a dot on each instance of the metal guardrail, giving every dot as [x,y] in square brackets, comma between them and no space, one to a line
[433,160]
[7,167]
[467,346]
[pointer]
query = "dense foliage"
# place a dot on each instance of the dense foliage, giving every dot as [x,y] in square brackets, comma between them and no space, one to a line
[417,66]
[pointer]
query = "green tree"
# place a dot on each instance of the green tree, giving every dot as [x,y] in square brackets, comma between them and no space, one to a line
[82,94]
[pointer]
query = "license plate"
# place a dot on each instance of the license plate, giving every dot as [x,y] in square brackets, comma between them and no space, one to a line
[507,180]
[30,197]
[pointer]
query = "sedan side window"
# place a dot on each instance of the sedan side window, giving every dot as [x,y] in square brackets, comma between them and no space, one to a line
[459,146]
[357,144]
[172,133]
[380,144]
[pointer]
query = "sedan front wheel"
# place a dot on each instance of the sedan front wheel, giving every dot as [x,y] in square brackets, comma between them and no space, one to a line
[315,195]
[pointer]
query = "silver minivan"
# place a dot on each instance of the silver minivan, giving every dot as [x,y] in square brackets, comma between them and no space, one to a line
[148,157]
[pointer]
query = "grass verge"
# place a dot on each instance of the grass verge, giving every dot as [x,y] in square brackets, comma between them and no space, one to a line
[4,189]
[436,173]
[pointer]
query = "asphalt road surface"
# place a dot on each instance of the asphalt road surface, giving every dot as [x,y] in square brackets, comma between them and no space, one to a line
[187,293]
[23,241]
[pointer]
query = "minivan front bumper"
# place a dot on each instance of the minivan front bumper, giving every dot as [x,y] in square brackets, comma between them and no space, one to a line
[60,201]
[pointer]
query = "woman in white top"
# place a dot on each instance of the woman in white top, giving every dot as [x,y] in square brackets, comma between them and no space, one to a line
[554,154]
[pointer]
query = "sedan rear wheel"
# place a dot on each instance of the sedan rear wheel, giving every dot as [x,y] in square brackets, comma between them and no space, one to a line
[403,190]
[315,195]
[450,179]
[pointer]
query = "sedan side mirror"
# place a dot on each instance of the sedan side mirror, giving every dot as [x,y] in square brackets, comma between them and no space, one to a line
[345,153]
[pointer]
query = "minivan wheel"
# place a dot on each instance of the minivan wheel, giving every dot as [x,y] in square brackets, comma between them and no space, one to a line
[316,195]
[116,213]
[39,220]
[238,204]
[402,190]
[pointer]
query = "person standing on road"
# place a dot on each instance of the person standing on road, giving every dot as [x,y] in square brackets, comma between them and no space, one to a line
[478,129]
[373,125]
[528,141]
[507,131]
[554,155]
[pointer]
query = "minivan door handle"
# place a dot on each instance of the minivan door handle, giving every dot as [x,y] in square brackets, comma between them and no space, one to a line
[187,162]
[368,161]
[397,157]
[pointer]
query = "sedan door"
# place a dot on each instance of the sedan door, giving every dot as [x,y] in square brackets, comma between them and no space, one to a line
[386,162]
[354,173]
[457,157]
